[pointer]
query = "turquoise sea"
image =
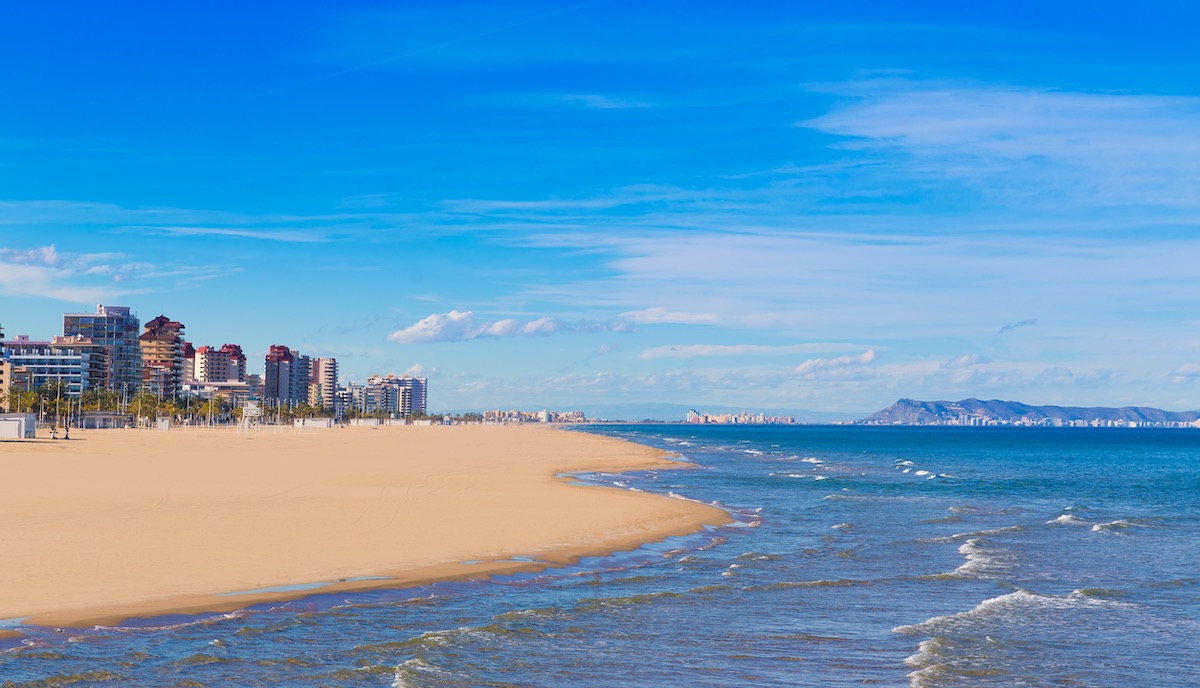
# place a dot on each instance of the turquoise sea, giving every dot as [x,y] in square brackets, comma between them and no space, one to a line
[860,556]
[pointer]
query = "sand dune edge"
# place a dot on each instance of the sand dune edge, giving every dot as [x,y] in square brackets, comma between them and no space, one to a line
[116,525]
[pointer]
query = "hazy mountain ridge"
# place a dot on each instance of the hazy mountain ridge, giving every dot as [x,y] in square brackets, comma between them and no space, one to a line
[917,412]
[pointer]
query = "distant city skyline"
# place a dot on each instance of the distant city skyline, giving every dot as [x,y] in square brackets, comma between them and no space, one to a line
[557,205]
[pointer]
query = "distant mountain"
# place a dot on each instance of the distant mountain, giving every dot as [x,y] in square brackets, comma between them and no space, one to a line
[915,412]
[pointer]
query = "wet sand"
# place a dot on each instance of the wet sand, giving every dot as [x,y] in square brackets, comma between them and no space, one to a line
[121,523]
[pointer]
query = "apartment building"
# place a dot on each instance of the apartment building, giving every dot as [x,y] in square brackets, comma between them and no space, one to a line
[115,327]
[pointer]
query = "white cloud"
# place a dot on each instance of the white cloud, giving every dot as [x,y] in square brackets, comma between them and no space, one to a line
[964,361]
[1188,372]
[439,327]
[418,370]
[45,255]
[817,364]
[461,326]
[659,315]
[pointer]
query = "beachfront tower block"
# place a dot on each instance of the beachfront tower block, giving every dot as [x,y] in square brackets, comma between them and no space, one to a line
[227,364]
[323,382]
[162,357]
[285,379]
[115,327]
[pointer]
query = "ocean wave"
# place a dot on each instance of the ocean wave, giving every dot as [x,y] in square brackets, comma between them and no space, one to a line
[936,664]
[410,671]
[1013,605]
[837,583]
[95,676]
[979,559]
[1118,526]
[1067,520]
[758,556]
[811,459]
[974,534]
[593,603]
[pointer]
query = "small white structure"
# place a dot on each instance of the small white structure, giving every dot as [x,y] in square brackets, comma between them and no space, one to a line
[366,422]
[313,422]
[97,420]
[18,426]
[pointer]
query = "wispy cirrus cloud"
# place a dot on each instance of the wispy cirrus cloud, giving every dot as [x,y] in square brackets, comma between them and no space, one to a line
[461,326]
[1028,143]
[356,223]
[738,350]
[1188,372]
[602,102]
[964,361]
[1009,327]
[46,272]
[660,315]
[284,235]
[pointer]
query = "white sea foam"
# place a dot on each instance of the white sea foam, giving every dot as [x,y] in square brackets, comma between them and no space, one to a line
[821,477]
[979,560]
[1116,527]
[921,473]
[904,463]
[1067,520]
[1014,605]
[975,534]
[811,459]
[408,671]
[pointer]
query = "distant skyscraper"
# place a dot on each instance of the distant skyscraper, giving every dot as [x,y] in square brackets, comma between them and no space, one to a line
[323,382]
[116,328]
[227,364]
[301,373]
[285,380]
[162,357]
[189,362]
[277,375]
[402,396]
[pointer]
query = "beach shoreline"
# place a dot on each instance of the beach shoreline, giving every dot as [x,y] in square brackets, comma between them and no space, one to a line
[117,525]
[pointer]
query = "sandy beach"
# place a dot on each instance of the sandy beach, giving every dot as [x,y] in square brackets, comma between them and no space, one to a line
[118,524]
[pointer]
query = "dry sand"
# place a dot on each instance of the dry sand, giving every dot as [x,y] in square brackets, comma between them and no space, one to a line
[122,523]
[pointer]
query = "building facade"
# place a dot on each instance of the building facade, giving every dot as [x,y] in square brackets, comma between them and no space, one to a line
[227,364]
[285,379]
[6,378]
[162,348]
[115,327]
[401,397]
[323,382]
[77,362]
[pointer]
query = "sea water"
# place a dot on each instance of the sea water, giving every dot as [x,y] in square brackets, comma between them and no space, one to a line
[858,556]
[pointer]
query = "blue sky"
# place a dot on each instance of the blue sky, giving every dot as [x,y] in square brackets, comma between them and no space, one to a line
[820,206]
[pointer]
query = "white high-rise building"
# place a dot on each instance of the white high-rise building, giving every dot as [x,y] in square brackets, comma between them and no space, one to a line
[323,382]
[227,364]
